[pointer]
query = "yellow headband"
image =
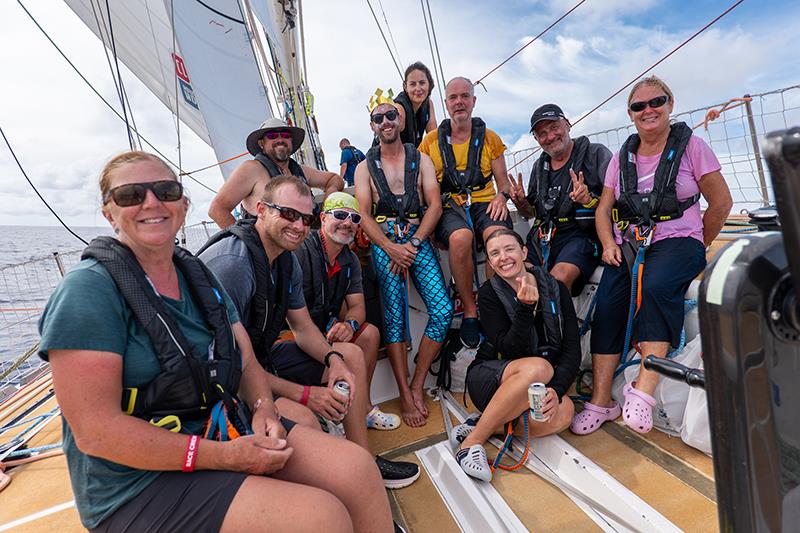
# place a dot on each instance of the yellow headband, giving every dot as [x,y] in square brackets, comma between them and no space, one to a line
[378,99]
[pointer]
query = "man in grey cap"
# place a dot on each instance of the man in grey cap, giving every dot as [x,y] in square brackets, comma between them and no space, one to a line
[563,190]
[272,146]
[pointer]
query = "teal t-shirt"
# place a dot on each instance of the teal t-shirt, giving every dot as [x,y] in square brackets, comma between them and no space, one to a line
[87,312]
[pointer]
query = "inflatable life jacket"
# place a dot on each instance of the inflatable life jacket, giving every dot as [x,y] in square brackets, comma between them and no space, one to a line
[271,300]
[470,179]
[550,303]
[189,384]
[390,205]
[662,202]
[553,203]
[273,170]
[415,122]
[321,305]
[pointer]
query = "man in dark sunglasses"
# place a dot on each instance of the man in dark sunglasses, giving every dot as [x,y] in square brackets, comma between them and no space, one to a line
[271,146]
[563,190]
[254,262]
[393,185]
[333,288]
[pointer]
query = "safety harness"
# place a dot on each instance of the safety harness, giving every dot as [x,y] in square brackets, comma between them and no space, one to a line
[415,122]
[471,179]
[273,170]
[271,300]
[189,384]
[322,306]
[402,207]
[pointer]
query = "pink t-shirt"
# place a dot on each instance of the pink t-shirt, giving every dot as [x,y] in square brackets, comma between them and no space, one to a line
[697,161]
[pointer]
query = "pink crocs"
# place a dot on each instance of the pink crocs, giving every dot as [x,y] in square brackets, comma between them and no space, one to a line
[638,409]
[592,417]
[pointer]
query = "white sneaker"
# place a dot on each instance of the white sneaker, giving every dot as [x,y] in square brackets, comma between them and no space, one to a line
[473,461]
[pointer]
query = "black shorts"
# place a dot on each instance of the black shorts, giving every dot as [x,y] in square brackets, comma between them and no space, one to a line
[455,218]
[576,249]
[178,501]
[291,363]
[483,380]
[670,266]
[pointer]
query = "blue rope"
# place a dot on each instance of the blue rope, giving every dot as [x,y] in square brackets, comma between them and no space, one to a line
[28,451]
[632,307]
[508,440]
[587,320]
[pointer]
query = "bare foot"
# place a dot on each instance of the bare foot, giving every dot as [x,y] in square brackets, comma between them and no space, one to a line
[419,401]
[409,412]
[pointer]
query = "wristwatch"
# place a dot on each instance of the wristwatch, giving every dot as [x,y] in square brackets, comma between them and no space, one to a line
[416,243]
[353,323]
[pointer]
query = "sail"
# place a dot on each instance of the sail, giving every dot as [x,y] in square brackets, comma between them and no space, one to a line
[205,71]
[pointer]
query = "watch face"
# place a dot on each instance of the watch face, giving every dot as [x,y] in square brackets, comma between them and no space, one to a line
[415,242]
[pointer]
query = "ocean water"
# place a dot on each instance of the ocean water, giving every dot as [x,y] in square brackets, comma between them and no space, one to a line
[28,275]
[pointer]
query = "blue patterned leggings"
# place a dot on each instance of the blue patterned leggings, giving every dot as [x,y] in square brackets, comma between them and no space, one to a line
[426,274]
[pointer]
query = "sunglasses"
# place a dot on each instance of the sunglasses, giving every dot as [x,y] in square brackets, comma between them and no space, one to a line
[341,214]
[658,101]
[283,134]
[134,193]
[391,116]
[287,213]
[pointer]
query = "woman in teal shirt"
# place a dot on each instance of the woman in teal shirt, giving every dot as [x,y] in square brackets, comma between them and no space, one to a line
[129,473]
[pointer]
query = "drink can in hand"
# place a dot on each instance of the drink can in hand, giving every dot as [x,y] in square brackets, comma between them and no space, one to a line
[342,388]
[536,396]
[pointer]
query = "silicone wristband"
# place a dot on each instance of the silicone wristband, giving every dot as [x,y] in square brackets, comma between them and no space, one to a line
[191,454]
[306,394]
[328,355]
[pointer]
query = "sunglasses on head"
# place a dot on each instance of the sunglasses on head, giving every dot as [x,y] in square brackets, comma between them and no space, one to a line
[342,214]
[391,116]
[135,193]
[287,213]
[283,134]
[658,101]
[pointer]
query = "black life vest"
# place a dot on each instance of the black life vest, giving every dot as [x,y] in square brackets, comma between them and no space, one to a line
[553,203]
[358,157]
[415,122]
[662,202]
[390,205]
[550,304]
[273,170]
[189,383]
[321,304]
[470,179]
[271,299]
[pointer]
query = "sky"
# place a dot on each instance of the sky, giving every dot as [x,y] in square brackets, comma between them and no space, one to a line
[63,133]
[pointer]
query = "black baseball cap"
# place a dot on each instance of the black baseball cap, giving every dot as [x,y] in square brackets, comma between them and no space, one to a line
[546,112]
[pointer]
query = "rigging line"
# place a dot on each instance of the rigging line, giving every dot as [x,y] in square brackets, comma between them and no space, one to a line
[435,43]
[302,40]
[220,13]
[651,67]
[433,56]
[175,76]
[384,40]
[161,66]
[559,19]
[654,65]
[119,78]
[14,155]
[101,97]
[389,29]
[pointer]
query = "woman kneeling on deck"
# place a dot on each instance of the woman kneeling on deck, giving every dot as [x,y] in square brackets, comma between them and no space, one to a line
[532,336]
[143,321]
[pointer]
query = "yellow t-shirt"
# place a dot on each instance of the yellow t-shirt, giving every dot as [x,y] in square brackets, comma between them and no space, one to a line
[493,148]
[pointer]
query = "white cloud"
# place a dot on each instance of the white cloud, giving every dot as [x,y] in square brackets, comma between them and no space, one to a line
[63,133]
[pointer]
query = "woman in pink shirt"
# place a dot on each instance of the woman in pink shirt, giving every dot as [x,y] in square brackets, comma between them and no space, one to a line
[676,252]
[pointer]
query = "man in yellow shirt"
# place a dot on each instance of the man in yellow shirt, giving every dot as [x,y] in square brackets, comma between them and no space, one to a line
[466,155]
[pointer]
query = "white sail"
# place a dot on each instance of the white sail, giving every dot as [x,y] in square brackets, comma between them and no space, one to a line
[227,83]
[144,43]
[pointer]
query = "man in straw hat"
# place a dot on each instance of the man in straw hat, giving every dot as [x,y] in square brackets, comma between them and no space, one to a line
[271,146]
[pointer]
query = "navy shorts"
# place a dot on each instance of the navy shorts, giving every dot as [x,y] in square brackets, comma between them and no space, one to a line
[483,380]
[670,266]
[577,249]
[291,363]
[454,218]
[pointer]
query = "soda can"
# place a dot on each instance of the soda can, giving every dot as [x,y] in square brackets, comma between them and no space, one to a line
[536,395]
[342,388]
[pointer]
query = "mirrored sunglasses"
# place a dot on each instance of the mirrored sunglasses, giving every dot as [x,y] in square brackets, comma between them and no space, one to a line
[290,214]
[391,116]
[282,134]
[135,193]
[343,214]
[658,101]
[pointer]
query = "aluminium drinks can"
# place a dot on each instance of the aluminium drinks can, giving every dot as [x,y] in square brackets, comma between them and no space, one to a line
[536,395]
[342,388]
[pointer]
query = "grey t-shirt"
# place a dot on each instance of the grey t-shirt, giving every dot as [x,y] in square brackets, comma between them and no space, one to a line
[231,263]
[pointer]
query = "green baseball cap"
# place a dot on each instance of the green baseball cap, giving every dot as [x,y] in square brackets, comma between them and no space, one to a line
[340,200]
